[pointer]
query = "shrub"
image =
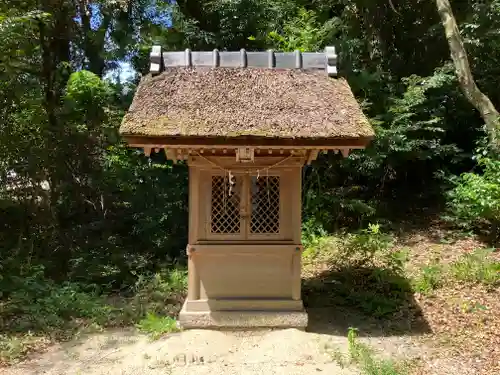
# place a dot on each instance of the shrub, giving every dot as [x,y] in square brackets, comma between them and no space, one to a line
[361,248]
[318,244]
[161,292]
[32,302]
[475,200]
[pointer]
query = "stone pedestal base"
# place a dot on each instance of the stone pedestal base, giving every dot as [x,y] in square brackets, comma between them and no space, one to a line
[241,318]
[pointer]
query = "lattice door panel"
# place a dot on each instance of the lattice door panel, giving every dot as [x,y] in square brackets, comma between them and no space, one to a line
[265,204]
[225,207]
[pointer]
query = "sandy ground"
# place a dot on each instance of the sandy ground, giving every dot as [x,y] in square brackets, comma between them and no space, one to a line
[198,352]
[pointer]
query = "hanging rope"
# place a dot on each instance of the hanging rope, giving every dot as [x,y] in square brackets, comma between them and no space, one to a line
[230,177]
[258,171]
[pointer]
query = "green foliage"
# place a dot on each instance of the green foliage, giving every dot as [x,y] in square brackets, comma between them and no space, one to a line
[159,293]
[365,272]
[475,200]
[156,326]
[361,248]
[82,217]
[33,303]
[378,293]
[414,148]
[14,347]
[477,267]
[86,89]
[364,357]
[318,245]
[303,33]
[430,278]
[33,306]
[368,247]
[483,42]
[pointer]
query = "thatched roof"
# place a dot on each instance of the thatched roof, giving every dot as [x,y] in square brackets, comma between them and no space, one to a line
[233,102]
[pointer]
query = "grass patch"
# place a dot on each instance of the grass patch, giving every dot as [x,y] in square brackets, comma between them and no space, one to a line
[321,249]
[337,356]
[477,267]
[364,357]
[15,347]
[429,279]
[156,325]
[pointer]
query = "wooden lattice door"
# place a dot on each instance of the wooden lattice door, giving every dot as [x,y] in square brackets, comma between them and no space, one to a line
[225,209]
[265,206]
[245,207]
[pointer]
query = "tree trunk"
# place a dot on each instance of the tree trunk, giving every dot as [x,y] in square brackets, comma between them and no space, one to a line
[458,54]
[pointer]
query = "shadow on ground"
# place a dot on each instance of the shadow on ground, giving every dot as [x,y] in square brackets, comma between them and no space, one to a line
[376,301]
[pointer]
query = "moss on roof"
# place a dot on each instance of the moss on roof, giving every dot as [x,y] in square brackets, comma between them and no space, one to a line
[231,102]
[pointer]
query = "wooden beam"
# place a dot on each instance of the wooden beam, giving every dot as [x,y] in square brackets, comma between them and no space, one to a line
[261,162]
[264,142]
[147,151]
[258,148]
[313,154]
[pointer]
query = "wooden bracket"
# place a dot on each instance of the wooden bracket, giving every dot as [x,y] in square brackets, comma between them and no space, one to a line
[170,154]
[345,152]
[190,250]
[313,154]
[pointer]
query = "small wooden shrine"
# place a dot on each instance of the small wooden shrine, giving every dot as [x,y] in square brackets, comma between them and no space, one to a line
[245,123]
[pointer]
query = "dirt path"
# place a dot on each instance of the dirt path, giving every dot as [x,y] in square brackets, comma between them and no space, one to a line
[198,352]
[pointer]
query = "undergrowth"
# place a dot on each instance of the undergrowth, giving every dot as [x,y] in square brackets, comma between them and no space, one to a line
[156,325]
[35,310]
[429,279]
[364,357]
[364,272]
[477,267]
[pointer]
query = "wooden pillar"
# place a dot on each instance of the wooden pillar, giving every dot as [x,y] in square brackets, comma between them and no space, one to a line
[296,273]
[194,211]
[297,233]
[193,279]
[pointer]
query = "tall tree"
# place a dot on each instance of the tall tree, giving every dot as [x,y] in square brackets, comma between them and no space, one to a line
[476,97]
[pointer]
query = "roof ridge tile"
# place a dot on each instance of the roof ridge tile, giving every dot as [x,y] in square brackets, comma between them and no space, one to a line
[270,59]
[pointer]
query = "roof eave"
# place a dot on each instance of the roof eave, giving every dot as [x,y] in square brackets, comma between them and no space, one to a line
[135,140]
